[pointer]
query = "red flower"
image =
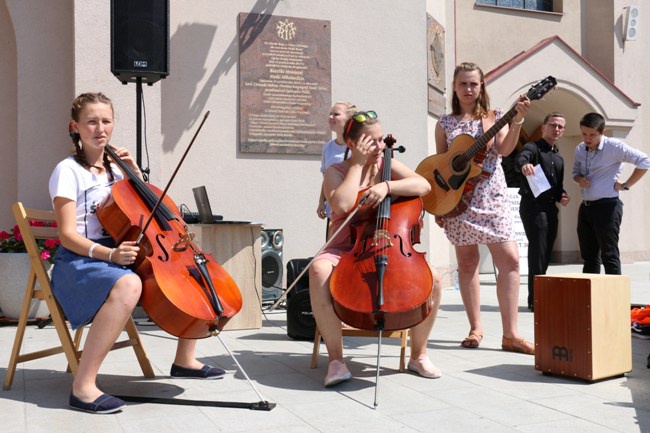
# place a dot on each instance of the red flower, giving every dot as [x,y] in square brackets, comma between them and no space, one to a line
[17,234]
[13,243]
[52,243]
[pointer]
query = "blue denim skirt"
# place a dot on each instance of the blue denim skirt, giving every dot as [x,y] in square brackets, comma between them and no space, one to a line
[81,284]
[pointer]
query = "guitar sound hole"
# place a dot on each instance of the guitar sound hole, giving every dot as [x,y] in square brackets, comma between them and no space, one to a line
[459,163]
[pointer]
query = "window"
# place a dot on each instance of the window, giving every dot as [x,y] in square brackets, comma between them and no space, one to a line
[536,5]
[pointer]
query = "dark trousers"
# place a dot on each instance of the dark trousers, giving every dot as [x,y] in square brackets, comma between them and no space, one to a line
[540,222]
[599,223]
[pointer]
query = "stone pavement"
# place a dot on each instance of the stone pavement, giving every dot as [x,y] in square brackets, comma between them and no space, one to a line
[482,390]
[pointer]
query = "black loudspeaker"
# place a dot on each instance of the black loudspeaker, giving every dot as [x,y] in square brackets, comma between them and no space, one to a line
[301,324]
[272,244]
[140,40]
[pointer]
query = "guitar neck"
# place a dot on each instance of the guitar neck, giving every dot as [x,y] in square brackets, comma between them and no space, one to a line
[483,140]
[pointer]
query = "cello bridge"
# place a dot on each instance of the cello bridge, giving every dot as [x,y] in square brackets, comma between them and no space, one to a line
[182,244]
[382,236]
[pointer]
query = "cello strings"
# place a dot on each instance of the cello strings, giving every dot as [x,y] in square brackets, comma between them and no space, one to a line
[381,245]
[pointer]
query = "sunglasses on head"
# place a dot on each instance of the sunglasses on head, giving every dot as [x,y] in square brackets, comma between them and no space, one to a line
[361,117]
[364,115]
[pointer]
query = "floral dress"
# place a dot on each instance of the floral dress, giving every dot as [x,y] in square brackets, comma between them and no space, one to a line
[487,219]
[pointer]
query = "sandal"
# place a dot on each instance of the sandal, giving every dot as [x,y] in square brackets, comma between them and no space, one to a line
[472,341]
[519,345]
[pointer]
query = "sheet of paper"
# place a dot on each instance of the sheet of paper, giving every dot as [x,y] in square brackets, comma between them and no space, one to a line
[538,182]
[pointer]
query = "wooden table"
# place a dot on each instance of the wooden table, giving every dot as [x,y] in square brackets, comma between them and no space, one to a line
[237,247]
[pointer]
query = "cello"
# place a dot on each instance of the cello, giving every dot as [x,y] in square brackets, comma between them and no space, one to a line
[383,283]
[185,291]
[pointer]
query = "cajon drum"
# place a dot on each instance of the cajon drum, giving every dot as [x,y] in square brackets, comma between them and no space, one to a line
[582,325]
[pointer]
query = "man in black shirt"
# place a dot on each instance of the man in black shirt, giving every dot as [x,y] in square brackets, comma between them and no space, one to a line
[539,215]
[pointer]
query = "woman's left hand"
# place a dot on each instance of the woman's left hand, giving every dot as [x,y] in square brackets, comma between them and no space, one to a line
[375,194]
[124,154]
[522,108]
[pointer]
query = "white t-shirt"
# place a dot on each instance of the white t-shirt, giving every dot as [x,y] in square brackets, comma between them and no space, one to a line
[331,154]
[70,180]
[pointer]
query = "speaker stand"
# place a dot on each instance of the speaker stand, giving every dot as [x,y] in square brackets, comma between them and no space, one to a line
[138,127]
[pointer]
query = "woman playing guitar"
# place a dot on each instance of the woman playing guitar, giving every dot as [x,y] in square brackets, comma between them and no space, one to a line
[483,216]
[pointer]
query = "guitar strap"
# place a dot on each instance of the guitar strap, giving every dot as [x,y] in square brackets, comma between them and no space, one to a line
[487,122]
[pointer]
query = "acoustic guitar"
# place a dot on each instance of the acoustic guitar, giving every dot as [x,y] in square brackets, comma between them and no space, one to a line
[449,172]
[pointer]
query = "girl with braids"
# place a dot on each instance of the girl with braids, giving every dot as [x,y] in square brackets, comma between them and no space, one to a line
[89,278]
[343,181]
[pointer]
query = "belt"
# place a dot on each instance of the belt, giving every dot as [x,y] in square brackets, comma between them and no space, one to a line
[600,201]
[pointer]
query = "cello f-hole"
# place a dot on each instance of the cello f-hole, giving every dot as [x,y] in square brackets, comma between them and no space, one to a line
[164,258]
[401,246]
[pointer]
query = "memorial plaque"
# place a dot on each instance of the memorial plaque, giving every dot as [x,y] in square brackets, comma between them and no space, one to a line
[284,84]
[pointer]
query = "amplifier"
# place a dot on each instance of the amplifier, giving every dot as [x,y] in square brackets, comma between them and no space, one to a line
[301,324]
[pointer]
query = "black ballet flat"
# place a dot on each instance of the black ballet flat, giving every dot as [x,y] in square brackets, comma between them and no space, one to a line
[104,404]
[206,372]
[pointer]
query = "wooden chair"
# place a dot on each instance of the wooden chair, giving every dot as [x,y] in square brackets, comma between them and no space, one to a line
[354,332]
[38,273]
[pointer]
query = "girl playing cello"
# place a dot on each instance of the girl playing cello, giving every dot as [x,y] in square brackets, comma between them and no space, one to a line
[343,181]
[90,280]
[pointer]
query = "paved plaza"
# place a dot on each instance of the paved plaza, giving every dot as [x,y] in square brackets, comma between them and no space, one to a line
[482,390]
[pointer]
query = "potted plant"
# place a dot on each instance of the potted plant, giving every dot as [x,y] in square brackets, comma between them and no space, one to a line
[14,270]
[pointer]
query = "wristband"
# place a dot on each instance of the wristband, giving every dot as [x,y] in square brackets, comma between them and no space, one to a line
[520,122]
[110,255]
[388,186]
[91,249]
